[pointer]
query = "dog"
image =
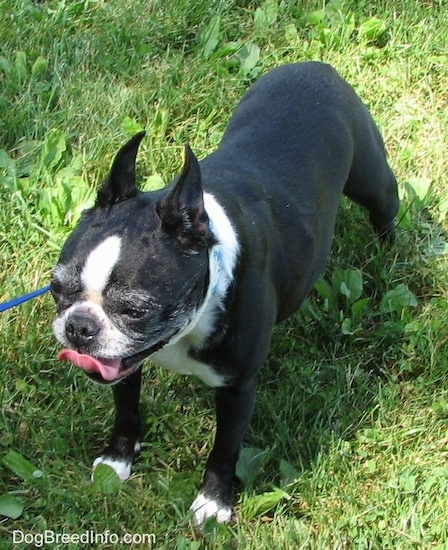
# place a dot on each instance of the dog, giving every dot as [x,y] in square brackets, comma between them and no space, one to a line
[196,275]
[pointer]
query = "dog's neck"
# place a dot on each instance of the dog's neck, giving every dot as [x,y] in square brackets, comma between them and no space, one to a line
[216,263]
[222,261]
[223,255]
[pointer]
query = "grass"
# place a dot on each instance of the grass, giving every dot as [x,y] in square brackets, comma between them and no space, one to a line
[348,446]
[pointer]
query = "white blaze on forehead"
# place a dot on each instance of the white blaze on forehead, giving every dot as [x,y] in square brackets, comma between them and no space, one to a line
[99,265]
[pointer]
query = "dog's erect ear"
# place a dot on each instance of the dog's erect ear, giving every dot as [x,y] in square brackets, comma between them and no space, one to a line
[182,210]
[120,183]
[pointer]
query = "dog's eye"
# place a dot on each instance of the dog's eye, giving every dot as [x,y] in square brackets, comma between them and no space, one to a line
[69,287]
[134,314]
[55,287]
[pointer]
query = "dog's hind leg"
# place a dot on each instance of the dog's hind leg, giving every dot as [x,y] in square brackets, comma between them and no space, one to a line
[124,443]
[371,182]
[382,203]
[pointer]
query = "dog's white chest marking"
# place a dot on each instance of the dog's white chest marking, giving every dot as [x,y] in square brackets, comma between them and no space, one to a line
[176,358]
[99,265]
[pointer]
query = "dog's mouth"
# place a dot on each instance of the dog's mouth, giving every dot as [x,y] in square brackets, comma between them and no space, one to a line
[107,371]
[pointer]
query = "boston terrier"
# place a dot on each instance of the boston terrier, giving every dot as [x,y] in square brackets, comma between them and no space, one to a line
[196,275]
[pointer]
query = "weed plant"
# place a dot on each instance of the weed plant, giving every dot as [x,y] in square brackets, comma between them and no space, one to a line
[348,446]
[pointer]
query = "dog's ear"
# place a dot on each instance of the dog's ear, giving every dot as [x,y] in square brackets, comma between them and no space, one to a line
[182,211]
[120,183]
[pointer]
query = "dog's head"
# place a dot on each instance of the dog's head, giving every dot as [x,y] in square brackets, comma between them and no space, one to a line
[134,271]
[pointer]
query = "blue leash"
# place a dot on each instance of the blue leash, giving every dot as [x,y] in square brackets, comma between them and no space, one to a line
[17,301]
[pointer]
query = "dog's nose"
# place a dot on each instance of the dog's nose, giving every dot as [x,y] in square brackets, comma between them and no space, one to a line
[81,328]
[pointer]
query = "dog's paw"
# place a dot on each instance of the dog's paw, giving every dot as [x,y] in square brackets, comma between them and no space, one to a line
[204,507]
[121,467]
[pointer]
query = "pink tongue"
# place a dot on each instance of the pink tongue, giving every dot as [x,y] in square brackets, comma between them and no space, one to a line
[107,368]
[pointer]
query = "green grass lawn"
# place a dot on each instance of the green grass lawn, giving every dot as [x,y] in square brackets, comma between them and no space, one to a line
[349,443]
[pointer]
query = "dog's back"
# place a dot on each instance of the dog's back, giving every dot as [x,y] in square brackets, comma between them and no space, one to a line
[300,138]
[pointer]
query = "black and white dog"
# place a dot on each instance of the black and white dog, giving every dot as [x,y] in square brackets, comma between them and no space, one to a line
[196,275]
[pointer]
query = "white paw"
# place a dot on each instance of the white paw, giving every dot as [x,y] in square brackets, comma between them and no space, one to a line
[204,508]
[121,467]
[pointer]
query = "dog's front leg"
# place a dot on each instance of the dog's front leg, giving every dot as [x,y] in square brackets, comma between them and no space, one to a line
[124,443]
[234,408]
